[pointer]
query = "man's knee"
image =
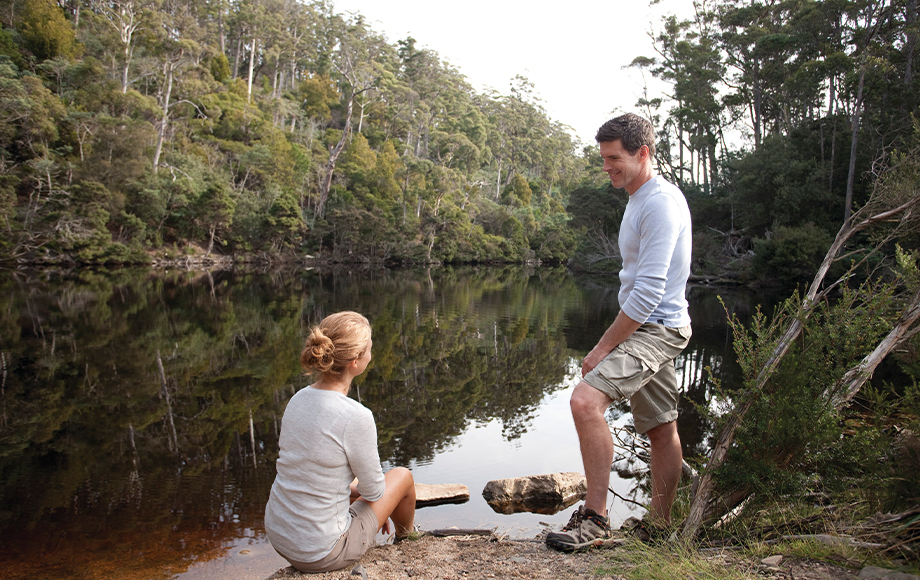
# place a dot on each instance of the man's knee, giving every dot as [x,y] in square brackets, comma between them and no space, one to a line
[664,435]
[587,402]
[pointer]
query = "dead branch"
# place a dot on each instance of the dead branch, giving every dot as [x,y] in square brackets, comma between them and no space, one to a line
[848,386]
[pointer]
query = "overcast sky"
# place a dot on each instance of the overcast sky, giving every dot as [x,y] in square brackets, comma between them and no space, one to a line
[574,54]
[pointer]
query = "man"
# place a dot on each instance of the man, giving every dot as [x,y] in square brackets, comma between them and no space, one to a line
[634,358]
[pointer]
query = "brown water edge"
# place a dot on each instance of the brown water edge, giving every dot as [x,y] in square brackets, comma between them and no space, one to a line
[144,552]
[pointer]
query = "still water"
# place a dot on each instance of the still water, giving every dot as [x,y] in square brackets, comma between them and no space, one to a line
[139,411]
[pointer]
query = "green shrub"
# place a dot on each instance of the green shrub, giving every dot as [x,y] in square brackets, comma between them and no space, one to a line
[791,255]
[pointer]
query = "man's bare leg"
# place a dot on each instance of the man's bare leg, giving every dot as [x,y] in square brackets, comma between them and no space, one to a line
[589,406]
[666,463]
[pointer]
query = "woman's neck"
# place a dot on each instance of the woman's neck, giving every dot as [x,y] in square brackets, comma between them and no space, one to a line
[341,385]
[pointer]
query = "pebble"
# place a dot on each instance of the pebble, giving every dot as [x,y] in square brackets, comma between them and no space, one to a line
[772,560]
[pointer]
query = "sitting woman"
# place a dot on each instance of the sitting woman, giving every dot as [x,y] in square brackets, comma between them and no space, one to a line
[330,495]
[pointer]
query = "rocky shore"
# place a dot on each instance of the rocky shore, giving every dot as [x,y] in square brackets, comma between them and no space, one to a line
[479,557]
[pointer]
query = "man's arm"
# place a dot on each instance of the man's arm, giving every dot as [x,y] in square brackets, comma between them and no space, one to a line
[621,329]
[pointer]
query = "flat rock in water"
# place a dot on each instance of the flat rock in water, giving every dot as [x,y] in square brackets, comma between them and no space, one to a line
[543,494]
[438,493]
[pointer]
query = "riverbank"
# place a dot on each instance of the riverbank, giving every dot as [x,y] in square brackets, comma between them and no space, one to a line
[461,557]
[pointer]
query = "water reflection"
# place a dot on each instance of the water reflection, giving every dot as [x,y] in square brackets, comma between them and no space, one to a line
[139,412]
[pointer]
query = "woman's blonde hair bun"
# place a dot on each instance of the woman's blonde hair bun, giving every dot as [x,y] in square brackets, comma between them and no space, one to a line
[335,342]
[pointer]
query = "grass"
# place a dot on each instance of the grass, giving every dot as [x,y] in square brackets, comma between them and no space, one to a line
[662,561]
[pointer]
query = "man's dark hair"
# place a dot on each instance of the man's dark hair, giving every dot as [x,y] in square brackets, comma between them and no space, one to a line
[631,130]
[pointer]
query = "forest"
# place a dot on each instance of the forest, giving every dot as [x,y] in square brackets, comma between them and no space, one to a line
[133,131]
[282,130]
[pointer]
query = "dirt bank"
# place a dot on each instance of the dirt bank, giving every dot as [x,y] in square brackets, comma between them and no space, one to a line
[463,557]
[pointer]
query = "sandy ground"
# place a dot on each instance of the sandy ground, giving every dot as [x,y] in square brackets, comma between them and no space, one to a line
[462,557]
[459,557]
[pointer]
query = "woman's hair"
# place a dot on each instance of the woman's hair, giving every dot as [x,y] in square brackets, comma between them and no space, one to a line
[335,342]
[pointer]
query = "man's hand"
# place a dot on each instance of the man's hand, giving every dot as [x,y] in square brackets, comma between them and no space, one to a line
[592,359]
[621,329]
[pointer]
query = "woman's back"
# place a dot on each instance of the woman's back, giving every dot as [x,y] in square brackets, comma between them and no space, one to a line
[326,440]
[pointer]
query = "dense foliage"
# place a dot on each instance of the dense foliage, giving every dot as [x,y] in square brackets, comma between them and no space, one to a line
[275,126]
[820,92]
[283,127]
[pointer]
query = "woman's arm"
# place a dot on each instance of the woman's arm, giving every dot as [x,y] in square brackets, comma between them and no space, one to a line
[361,451]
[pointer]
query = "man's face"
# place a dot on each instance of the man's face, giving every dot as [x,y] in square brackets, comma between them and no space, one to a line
[622,167]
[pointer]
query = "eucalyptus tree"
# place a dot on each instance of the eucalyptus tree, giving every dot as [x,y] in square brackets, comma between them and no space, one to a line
[290,30]
[690,60]
[176,54]
[524,126]
[867,21]
[510,141]
[428,97]
[560,165]
[357,62]
[247,22]
[128,18]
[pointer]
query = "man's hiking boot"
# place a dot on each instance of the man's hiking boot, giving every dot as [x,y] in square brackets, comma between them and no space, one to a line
[585,529]
[644,531]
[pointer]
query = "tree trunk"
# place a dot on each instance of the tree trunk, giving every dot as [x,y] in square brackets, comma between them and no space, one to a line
[211,240]
[498,180]
[252,439]
[252,60]
[854,138]
[758,107]
[830,184]
[236,57]
[174,439]
[164,121]
[124,70]
[326,184]
[221,35]
[910,19]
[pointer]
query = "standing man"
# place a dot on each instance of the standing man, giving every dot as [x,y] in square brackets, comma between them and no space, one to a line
[634,359]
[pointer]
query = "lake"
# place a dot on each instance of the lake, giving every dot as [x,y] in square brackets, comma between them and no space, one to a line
[139,410]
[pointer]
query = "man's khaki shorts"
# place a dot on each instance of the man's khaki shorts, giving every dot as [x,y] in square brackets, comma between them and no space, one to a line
[641,369]
[357,539]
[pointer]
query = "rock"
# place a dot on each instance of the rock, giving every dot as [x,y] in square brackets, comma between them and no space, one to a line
[872,572]
[772,561]
[542,494]
[440,493]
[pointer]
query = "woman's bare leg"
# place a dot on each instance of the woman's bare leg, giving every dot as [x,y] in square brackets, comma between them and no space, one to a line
[398,501]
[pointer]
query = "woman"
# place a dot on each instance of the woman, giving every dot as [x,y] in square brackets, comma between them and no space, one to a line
[330,495]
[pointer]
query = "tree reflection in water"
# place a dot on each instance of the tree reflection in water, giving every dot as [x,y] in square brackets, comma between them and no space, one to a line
[109,467]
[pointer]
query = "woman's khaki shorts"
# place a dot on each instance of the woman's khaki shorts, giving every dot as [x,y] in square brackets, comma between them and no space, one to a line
[357,539]
[641,369]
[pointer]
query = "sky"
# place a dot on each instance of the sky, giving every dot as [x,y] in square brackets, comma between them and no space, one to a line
[573,53]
